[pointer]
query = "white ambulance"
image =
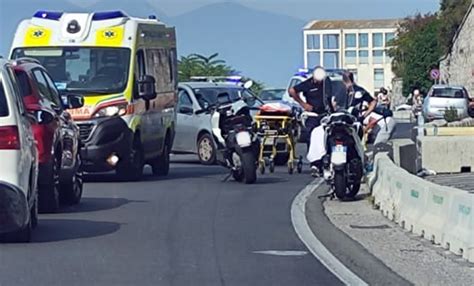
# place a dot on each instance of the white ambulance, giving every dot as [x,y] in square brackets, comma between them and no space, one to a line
[126,68]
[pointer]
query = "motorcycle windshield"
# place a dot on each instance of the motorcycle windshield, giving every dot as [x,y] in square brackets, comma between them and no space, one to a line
[340,98]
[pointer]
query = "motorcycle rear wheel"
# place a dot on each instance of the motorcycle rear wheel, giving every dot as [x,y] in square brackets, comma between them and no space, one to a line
[340,184]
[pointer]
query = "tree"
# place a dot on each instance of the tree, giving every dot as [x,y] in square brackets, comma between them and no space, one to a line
[198,65]
[422,40]
[452,13]
[188,66]
[416,51]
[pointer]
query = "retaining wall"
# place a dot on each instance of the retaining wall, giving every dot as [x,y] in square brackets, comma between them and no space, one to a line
[443,215]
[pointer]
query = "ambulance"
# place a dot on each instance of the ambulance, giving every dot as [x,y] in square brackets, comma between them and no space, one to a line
[126,69]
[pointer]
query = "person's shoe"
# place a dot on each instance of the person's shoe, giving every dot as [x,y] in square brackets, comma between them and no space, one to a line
[315,172]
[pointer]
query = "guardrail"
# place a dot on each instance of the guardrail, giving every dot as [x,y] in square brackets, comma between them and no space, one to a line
[441,214]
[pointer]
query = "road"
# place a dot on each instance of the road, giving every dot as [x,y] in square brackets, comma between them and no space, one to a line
[187,229]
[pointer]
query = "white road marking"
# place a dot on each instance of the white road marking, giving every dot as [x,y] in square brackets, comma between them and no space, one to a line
[282,252]
[306,235]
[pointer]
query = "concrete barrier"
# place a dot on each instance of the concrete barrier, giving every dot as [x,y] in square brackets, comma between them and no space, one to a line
[446,154]
[405,154]
[443,215]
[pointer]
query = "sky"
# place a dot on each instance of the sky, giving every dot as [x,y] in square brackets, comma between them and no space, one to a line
[245,30]
[304,9]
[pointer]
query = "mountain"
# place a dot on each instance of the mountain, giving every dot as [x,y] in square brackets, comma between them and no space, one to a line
[262,45]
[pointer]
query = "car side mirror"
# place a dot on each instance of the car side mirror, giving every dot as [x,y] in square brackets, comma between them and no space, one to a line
[146,87]
[43,117]
[72,101]
[186,110]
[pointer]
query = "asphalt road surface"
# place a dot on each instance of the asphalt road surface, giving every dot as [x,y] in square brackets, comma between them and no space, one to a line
[187,229]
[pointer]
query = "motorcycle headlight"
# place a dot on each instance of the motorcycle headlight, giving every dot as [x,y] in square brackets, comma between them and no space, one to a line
[112,110]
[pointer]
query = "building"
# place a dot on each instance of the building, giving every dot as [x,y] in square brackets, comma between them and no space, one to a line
[457,67]
[359,46]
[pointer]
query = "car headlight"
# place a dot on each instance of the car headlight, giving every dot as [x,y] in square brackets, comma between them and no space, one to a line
[112,110]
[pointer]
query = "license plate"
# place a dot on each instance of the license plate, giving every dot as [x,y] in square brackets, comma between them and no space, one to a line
[339,154]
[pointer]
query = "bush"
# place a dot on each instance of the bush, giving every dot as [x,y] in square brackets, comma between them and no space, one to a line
[451,114]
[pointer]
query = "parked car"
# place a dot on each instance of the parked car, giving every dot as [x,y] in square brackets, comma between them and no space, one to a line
[443,97]
[272,94]
[19,167]
[193,131]
[60,170]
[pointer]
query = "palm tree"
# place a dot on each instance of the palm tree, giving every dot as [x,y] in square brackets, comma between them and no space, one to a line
[199,65]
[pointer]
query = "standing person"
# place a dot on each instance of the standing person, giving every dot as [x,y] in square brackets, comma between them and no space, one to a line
[358,95]
[383,98]
[317,92]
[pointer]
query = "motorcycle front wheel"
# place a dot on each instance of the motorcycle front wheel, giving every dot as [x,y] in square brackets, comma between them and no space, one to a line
[246,167]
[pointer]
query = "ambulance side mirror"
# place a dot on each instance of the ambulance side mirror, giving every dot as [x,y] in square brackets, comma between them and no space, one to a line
[146,87]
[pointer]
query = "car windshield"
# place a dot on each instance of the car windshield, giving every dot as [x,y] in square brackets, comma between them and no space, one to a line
[83,70]
[3,101]
[448,93]
[208,95]
[272,94]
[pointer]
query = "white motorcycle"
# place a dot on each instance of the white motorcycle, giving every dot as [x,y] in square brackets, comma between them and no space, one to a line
[237,143]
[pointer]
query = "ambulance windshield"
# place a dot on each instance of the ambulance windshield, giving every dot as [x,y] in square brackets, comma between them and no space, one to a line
[83,70]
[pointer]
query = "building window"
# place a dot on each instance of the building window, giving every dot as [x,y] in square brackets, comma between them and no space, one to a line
[313,42]
[363,40]
[331,60]
[363,57]
[351,41]
[331,41]
[377,56]
[379,79]
[314,59]
[377,40]
[351,57]
[388,38]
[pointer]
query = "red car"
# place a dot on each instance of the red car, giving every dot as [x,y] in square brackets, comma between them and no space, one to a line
[57,136]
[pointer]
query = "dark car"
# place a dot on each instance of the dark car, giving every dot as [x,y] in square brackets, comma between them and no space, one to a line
[57,136]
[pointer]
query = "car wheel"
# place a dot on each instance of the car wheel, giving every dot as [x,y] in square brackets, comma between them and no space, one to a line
[71,191]
[161,165]
[132,170]
[49,190]
[206,150]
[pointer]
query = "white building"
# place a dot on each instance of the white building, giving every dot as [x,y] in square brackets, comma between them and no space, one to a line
[359,46]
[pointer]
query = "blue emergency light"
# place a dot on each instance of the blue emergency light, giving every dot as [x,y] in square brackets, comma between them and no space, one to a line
[99,16]
[48,15]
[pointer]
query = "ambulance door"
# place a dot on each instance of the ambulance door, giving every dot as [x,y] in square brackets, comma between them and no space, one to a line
[158,67]
[142,106]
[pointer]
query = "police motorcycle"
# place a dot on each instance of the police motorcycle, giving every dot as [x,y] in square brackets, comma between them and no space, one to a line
[344,161]
[233,131]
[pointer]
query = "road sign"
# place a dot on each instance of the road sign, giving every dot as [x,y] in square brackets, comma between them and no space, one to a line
[434,73]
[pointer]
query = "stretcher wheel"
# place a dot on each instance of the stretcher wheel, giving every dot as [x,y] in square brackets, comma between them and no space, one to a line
[262,167]
[291,168]
[299,167]
[272,166]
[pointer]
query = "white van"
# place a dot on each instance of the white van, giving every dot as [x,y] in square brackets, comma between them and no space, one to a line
[126,69]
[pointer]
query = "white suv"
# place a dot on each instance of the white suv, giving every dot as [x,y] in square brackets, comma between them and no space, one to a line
[19,162]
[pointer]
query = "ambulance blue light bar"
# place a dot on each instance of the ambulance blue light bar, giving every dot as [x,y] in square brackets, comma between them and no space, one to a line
[99,16]
[48,15]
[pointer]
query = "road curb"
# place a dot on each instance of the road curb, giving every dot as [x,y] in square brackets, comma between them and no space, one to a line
[316,247]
